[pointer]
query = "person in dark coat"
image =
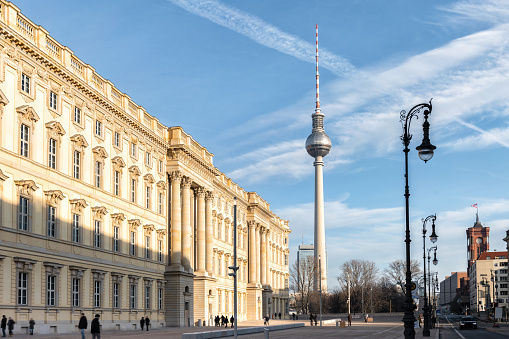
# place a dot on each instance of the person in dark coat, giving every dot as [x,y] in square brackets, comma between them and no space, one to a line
[142,323]
[279,315]
[10,326]
[311,318]
[83,325]
[95,327]
[349,319]
[31,325]
[3,325]
[147,322]
[226,322]
[232,320]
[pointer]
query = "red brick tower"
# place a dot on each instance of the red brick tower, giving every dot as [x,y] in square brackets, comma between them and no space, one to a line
[478,241]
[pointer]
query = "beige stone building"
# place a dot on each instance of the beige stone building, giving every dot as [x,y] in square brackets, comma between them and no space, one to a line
[106,211]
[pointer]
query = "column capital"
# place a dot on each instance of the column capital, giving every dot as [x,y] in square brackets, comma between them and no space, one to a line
[176,176]
[209,196]
[186,182]
[251,224]
[200,192]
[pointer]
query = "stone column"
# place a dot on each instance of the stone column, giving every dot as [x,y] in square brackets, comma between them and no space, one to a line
[176,221]
[194,236]
[267,257]
[200,236]
[258,257]
[252,252]
[186,223]
[263,263]
[209,232]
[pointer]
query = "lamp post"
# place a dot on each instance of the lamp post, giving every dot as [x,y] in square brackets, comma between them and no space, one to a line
[435,262]
[234,268]
[425,151]
[320,269]
[433,237]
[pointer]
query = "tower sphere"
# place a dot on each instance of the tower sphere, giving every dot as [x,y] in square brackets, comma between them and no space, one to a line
[318,144]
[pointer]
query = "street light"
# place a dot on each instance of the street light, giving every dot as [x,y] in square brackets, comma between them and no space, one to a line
[435,262]
[425,150]
[425,330]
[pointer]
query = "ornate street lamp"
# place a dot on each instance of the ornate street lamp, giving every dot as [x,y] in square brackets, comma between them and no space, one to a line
[425,150]
[435,262]
[425,330]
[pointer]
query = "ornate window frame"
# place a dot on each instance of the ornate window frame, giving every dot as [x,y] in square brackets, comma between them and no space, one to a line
[52,269]
[25,189]
[77,207]
[118,165]
[24,266]
[134,173]
[53,199]
[76,273]
[98,213]
[99,155]
[117,220]
[79,143]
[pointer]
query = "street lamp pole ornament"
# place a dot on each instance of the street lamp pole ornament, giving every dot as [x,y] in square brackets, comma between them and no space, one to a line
[426,150]
[425,330]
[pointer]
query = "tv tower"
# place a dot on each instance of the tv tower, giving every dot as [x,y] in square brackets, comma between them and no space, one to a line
[318,145]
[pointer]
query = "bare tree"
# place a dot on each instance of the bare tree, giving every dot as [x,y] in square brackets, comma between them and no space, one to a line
[396,272]
[301,283]
[363,276]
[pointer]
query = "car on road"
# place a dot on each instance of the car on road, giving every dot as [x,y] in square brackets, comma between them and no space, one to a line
[468,322]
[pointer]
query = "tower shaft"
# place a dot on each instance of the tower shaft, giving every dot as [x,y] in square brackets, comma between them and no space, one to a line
[320,253]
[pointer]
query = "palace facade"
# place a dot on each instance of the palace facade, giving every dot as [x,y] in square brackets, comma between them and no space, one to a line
[104,210]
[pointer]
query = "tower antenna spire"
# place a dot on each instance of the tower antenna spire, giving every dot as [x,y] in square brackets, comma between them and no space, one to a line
[317,76]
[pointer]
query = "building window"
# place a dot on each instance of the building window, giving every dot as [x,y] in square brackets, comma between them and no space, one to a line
[25,83]
[132,296]
[53,100]
[52,221]
[132,244]
[116,239]
[77,115]
[133,190]
[97,234]
[76,228]
[286,259]
[52,153]
[147,158]
[23,214]
[98,128]
[160,166]
[116,183]
[147,247]
[133,149]
[147,297]
[116,139]
[160,203]
[22,288]
[160,250]
[159,298]
[75,292]
[97,293]
[24,137]
[76,165]
[147,197]
[51,290]
[97,172]
[116,293]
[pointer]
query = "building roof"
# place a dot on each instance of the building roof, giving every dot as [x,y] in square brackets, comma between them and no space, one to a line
[493,255]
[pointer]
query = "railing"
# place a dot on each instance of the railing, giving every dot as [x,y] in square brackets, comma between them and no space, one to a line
[98,83]
[77,66]
[132,108]
[25,28]
[52,48]
[116,97]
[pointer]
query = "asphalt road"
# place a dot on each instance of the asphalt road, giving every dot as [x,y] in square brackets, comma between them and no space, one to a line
[449,329]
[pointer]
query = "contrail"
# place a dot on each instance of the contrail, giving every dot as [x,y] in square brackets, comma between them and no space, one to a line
[483,132]
[264,33]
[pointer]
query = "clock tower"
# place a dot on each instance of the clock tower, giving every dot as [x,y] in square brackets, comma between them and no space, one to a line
[478,241]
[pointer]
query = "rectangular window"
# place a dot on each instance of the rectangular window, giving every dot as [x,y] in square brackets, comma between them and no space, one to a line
[160,250]
[160,166]
[159,298]
[116,183]
[97,174]
[133,190]
[147,297]
[98,128]
[133,149]
[132,244]
[160,203]
[116,239]
[97,294]
[147,197]
[25,83]
[97,234]
[22,288]
[76,165]
[52,221]
[77,115]
[52,153]
[116,293]
[132,296]
[147,158]
[51,290]
[23,214]
[75,292]
[24,138]
[147,247]
[116,139]
[53,100]
[76,228]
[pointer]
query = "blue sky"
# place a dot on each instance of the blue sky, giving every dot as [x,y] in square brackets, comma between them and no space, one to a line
[239,77]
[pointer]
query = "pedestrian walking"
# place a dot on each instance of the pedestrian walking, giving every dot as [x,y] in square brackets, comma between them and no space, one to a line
[311,318]
[349,319]
[3,325]
[315,320]
[31,325]
[226,322]
[147,322]
[267,318]
[10,326]
[232,320]
[279,315]
[293,316]
[82,325]
[142,323]
[95,327]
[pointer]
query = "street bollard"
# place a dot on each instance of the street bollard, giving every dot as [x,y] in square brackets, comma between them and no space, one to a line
[266,333]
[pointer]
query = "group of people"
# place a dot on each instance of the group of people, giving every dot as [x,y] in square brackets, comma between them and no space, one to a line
[95,326]
[223,320]
[8,324]
[144,322]
[312,317]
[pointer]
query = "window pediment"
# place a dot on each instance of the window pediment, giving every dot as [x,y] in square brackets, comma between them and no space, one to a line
[27,115]
[100,153]
[135,171]
[79,142]
[26,187]
[99,211]
[118,218]
[78,205]
[55,130]
[149,178]
[118,163]
[53,197]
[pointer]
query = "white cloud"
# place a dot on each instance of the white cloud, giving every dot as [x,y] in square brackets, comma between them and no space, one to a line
[490,11]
